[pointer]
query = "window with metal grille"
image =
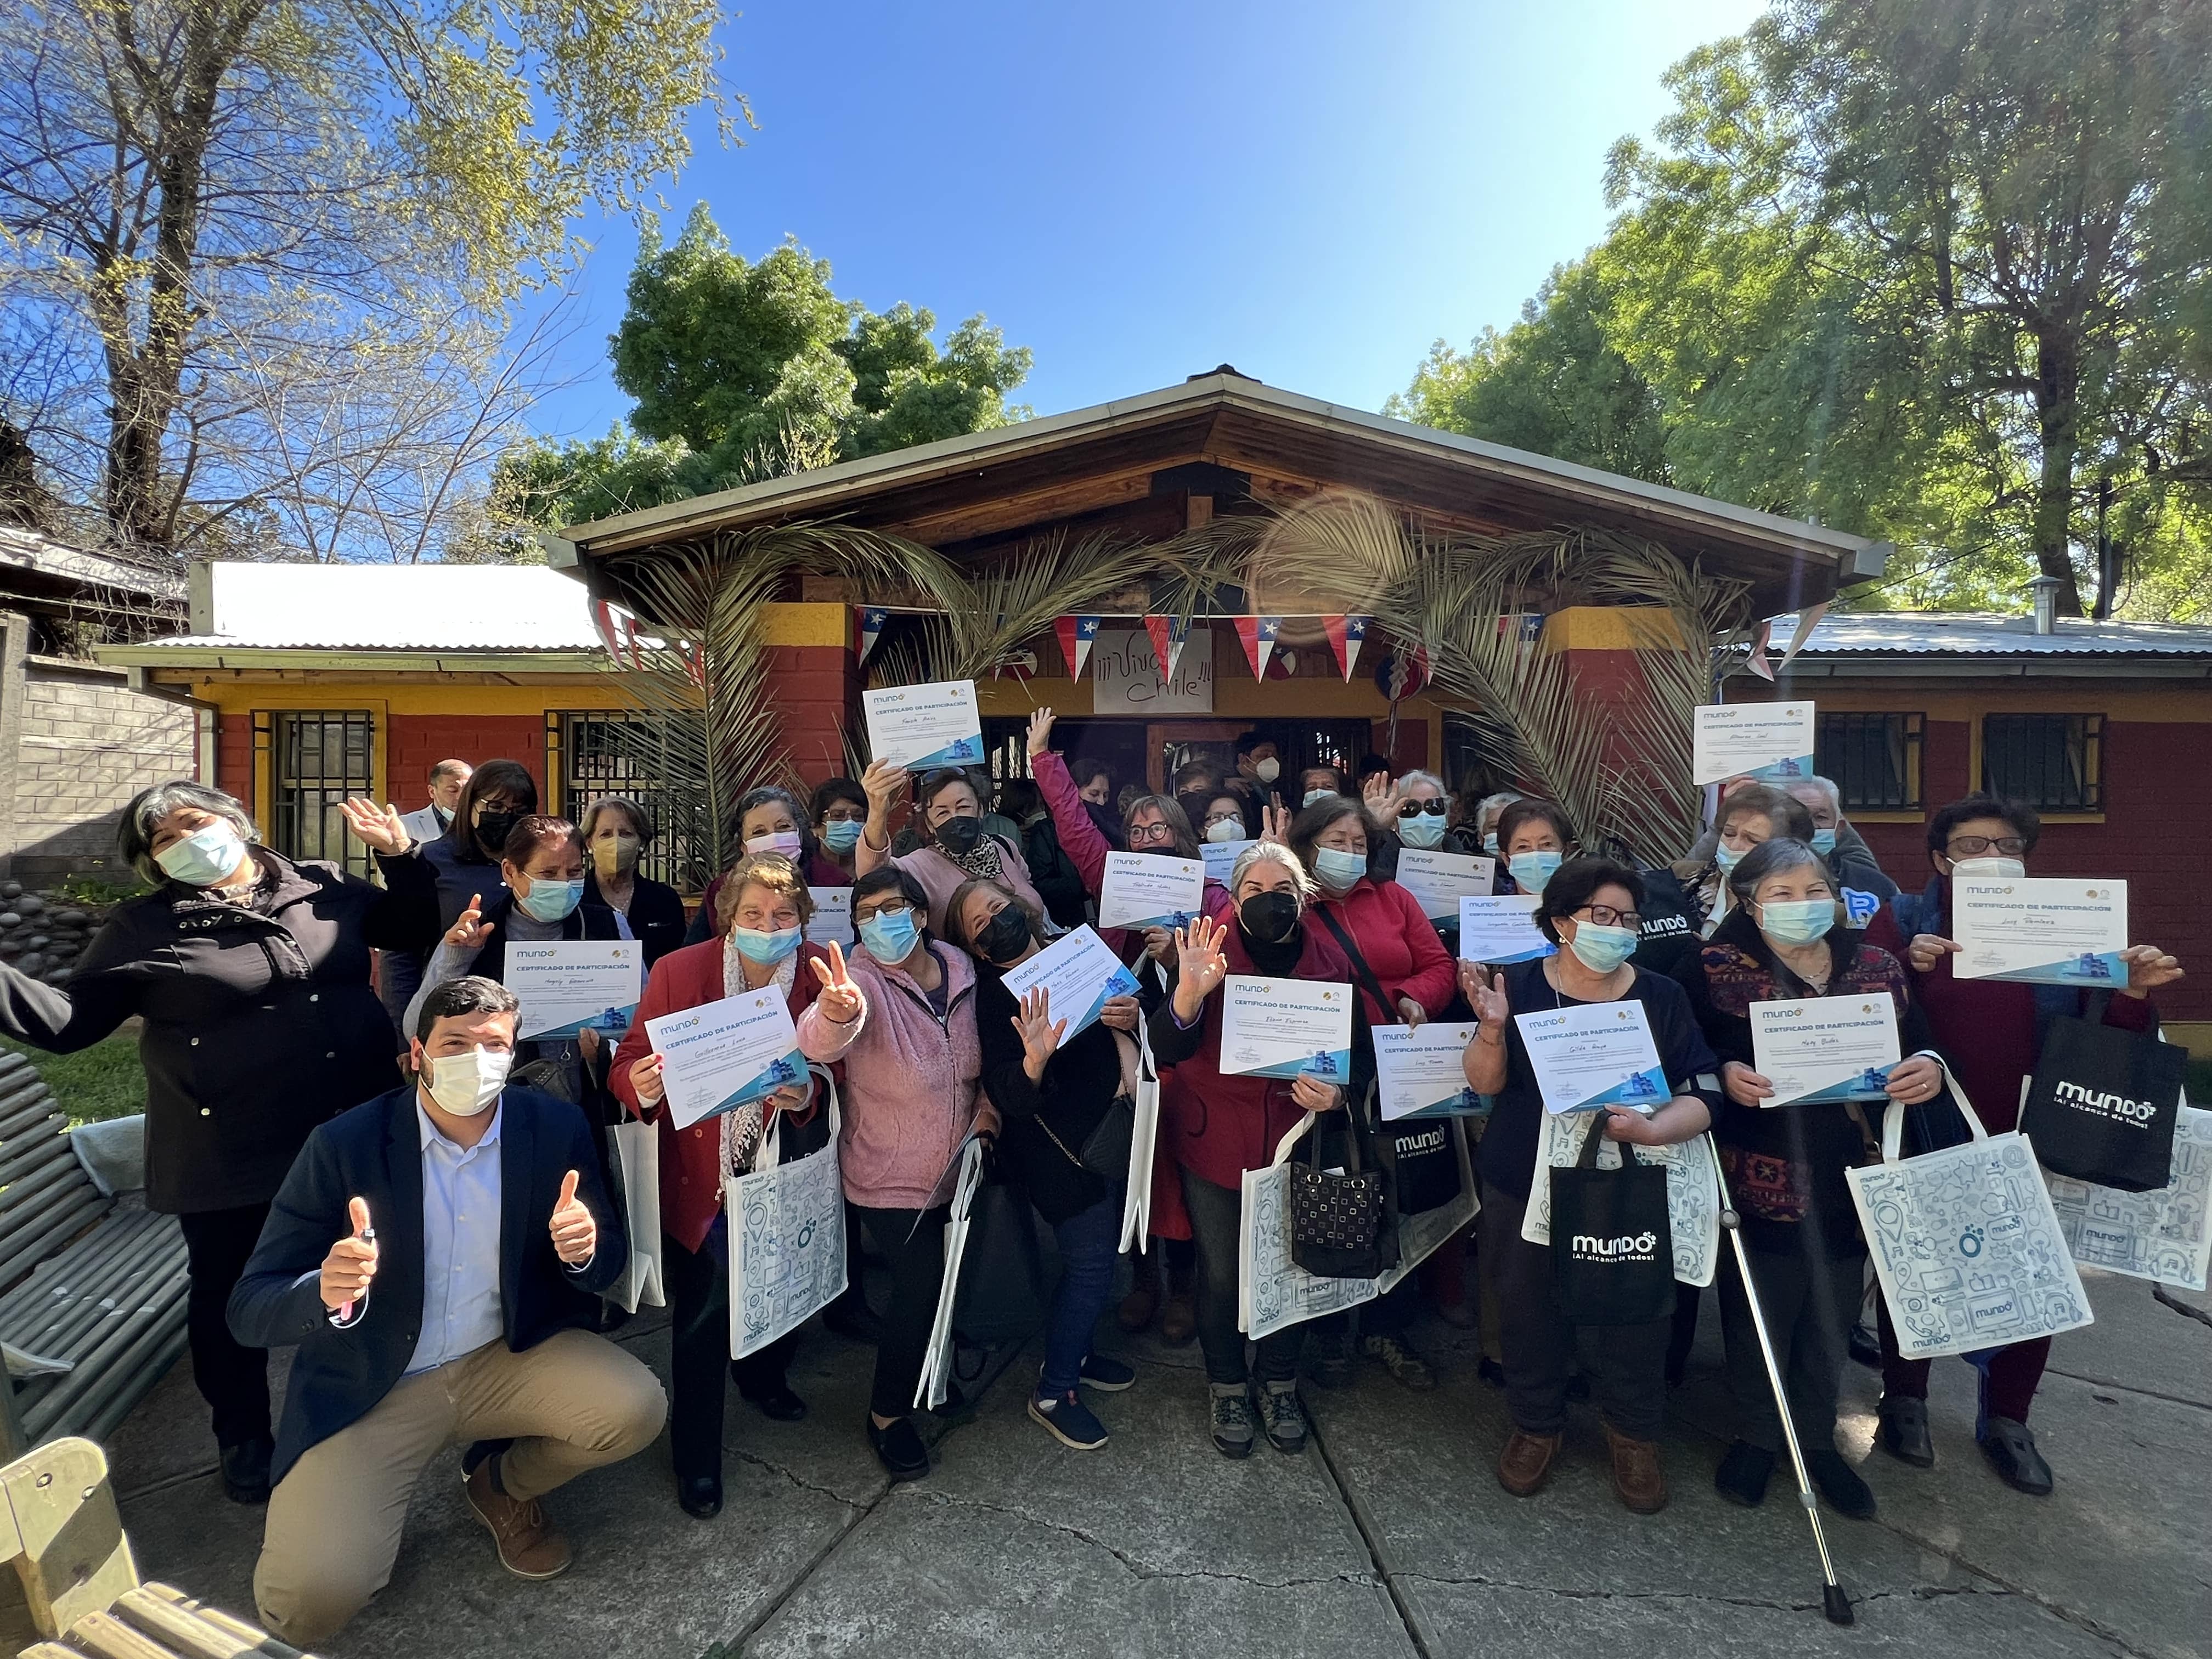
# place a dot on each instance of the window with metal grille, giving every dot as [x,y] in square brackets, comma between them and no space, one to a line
[322,758]
[2053,763]
[1874,760]
[615,751]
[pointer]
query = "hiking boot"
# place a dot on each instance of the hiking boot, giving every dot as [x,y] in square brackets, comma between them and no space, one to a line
[1743,1474]
[1179,1319]
[1107,1374]
[1840,1483]
[1069,1421]
[1232,1419]
[1407,1368]
[2011,1451]
[1638,1480]
[1284,1416]
[528,1545]
[1903,1431]
[1526,1462]
[1329,1357]
[1143,1300]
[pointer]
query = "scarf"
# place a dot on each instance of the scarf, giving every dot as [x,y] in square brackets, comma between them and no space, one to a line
[980,860]
[743,1129]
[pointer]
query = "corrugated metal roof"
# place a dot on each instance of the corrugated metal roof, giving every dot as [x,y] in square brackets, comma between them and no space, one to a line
[422,607]
[1983,633]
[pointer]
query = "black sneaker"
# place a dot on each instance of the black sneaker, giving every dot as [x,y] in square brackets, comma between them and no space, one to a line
[2011,1451]
[1107,1374]
[1329,1358]
[1069,1421]
[1902,1431]
[899,1449]
[1282,1414]
[1743,1474]
[1232,1419]
[246,1470]
[1840,1483]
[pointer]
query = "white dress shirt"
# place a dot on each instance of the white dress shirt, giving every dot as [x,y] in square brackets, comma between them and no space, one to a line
[461,1191]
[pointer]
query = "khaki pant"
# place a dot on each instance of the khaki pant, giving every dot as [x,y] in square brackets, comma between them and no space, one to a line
[573,1402]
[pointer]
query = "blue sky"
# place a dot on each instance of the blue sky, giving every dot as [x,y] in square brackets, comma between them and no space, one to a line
[1313,192]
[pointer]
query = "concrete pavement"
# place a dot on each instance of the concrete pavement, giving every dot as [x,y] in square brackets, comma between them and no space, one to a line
[1389,1537]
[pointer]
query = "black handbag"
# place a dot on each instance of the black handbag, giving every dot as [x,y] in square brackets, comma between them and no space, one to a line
[1342,1226]
[2103,1103]
[1105,1151]
[1612,1250]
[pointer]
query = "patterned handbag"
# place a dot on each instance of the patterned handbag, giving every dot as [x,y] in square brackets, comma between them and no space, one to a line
[1342,1224]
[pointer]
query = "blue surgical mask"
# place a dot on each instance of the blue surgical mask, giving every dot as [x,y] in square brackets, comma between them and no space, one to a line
[1490,844]
[1313,795]
[1530,870]
[203,858]
[757,944]
[1339,871]
[889,935]
[1796,921]
[1426,830]
[841,834]
[1824,841]
[551,901]
[1602,949]
[1726,856]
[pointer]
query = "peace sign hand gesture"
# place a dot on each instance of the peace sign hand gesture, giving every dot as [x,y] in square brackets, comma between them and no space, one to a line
[470,930]
[1275,824]
[378,827]
[1039,1032]
[839,999]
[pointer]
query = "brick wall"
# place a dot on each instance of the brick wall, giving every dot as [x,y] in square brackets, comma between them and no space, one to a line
[87,744]
[416,743]
[814,686]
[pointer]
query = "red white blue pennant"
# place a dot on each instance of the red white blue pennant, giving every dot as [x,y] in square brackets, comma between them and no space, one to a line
[1077,635]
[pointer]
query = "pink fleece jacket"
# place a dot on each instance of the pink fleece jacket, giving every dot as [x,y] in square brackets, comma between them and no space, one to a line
[910,1088]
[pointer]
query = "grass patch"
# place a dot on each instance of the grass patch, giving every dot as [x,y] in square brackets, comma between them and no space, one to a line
[92,1085]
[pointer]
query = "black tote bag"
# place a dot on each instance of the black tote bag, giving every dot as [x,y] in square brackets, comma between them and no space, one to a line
[2102,1104]
[1612,1251]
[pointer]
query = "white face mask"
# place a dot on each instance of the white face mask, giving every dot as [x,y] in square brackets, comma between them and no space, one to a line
[1225,830]
[1267,770]
[1990,869]
[467,1084]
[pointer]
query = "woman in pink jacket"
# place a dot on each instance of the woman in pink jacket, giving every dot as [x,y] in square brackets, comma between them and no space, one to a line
[912,1066]
[1405,976]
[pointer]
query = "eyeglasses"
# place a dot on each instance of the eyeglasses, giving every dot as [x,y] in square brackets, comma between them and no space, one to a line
[1605,916]
[1435,809]
[1150,835]
[891,908]
[1969,847]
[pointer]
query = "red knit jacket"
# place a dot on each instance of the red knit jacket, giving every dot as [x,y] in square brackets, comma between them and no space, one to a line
[1401,945]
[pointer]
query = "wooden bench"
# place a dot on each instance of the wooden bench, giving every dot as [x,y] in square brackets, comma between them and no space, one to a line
[84,1281]
[75,1593]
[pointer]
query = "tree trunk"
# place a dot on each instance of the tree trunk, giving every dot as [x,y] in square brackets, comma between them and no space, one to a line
[2058,414]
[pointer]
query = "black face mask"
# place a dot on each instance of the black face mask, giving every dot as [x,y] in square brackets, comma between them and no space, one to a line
[493,828]
[958,836]
[1005,936]
[1270,918]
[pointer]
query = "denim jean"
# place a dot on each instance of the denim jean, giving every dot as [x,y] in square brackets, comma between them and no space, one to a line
[1089,1242]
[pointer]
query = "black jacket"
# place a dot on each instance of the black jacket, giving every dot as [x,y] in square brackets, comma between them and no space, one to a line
[1054,874]
[1080,1082]
[259,1021]
[375,1152]
[655,914]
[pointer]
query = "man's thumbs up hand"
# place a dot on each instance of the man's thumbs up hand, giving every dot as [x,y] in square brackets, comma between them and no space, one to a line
[575,1234]
[351,1264]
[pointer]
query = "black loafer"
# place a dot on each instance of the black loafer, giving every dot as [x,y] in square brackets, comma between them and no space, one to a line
[899,1449]
[783,1406]
[2011,1451]
[1903,1431]
[246,1471]
[1840,1483]
[1743,1474]
[700,1495]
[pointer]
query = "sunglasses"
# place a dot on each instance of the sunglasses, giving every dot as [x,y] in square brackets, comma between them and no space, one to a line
[1413,808]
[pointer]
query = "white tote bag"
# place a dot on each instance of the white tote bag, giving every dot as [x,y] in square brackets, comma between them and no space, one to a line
[2164,1236]
[786,1225]
[637,1175]
[932,1388]
[1137,1200]
[1966,1243]
[1271,1290]
[1693,1191]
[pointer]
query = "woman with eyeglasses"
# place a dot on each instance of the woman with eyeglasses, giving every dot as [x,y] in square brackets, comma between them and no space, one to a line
[838,811]
[1591,908]
[1993,1031]
[1534,838]
[953,845]
[1785,939]
[1689,899]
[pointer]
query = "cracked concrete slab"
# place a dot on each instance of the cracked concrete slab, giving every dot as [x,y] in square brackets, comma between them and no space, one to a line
[2138,1342]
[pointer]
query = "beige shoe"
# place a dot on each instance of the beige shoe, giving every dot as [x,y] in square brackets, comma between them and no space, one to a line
[1526,1462]
[1638,1480]
[529,1547]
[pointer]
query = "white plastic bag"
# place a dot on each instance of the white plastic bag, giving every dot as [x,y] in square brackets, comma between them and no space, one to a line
[1693,1191]
[2164,1236]
[932,1388]
[1137,1200]
[787,1226]
[637,1180]
[1966,1243]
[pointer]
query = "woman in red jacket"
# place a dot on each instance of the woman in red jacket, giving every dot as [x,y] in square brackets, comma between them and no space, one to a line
[765,907]
[1217,1127]
[1395,950]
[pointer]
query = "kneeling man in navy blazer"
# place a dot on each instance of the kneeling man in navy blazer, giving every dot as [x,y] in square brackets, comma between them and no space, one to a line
[436,1253]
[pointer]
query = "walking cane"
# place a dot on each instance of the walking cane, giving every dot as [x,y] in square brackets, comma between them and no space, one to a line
[1834,1601]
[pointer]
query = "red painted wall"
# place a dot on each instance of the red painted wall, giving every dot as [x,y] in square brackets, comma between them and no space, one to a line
[814,687]
[416,743]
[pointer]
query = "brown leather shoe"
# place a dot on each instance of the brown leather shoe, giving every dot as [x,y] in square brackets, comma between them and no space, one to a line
[1526,1462]
[1143,1300]
[1638,1480]
[528,1545]
[1179,1319]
